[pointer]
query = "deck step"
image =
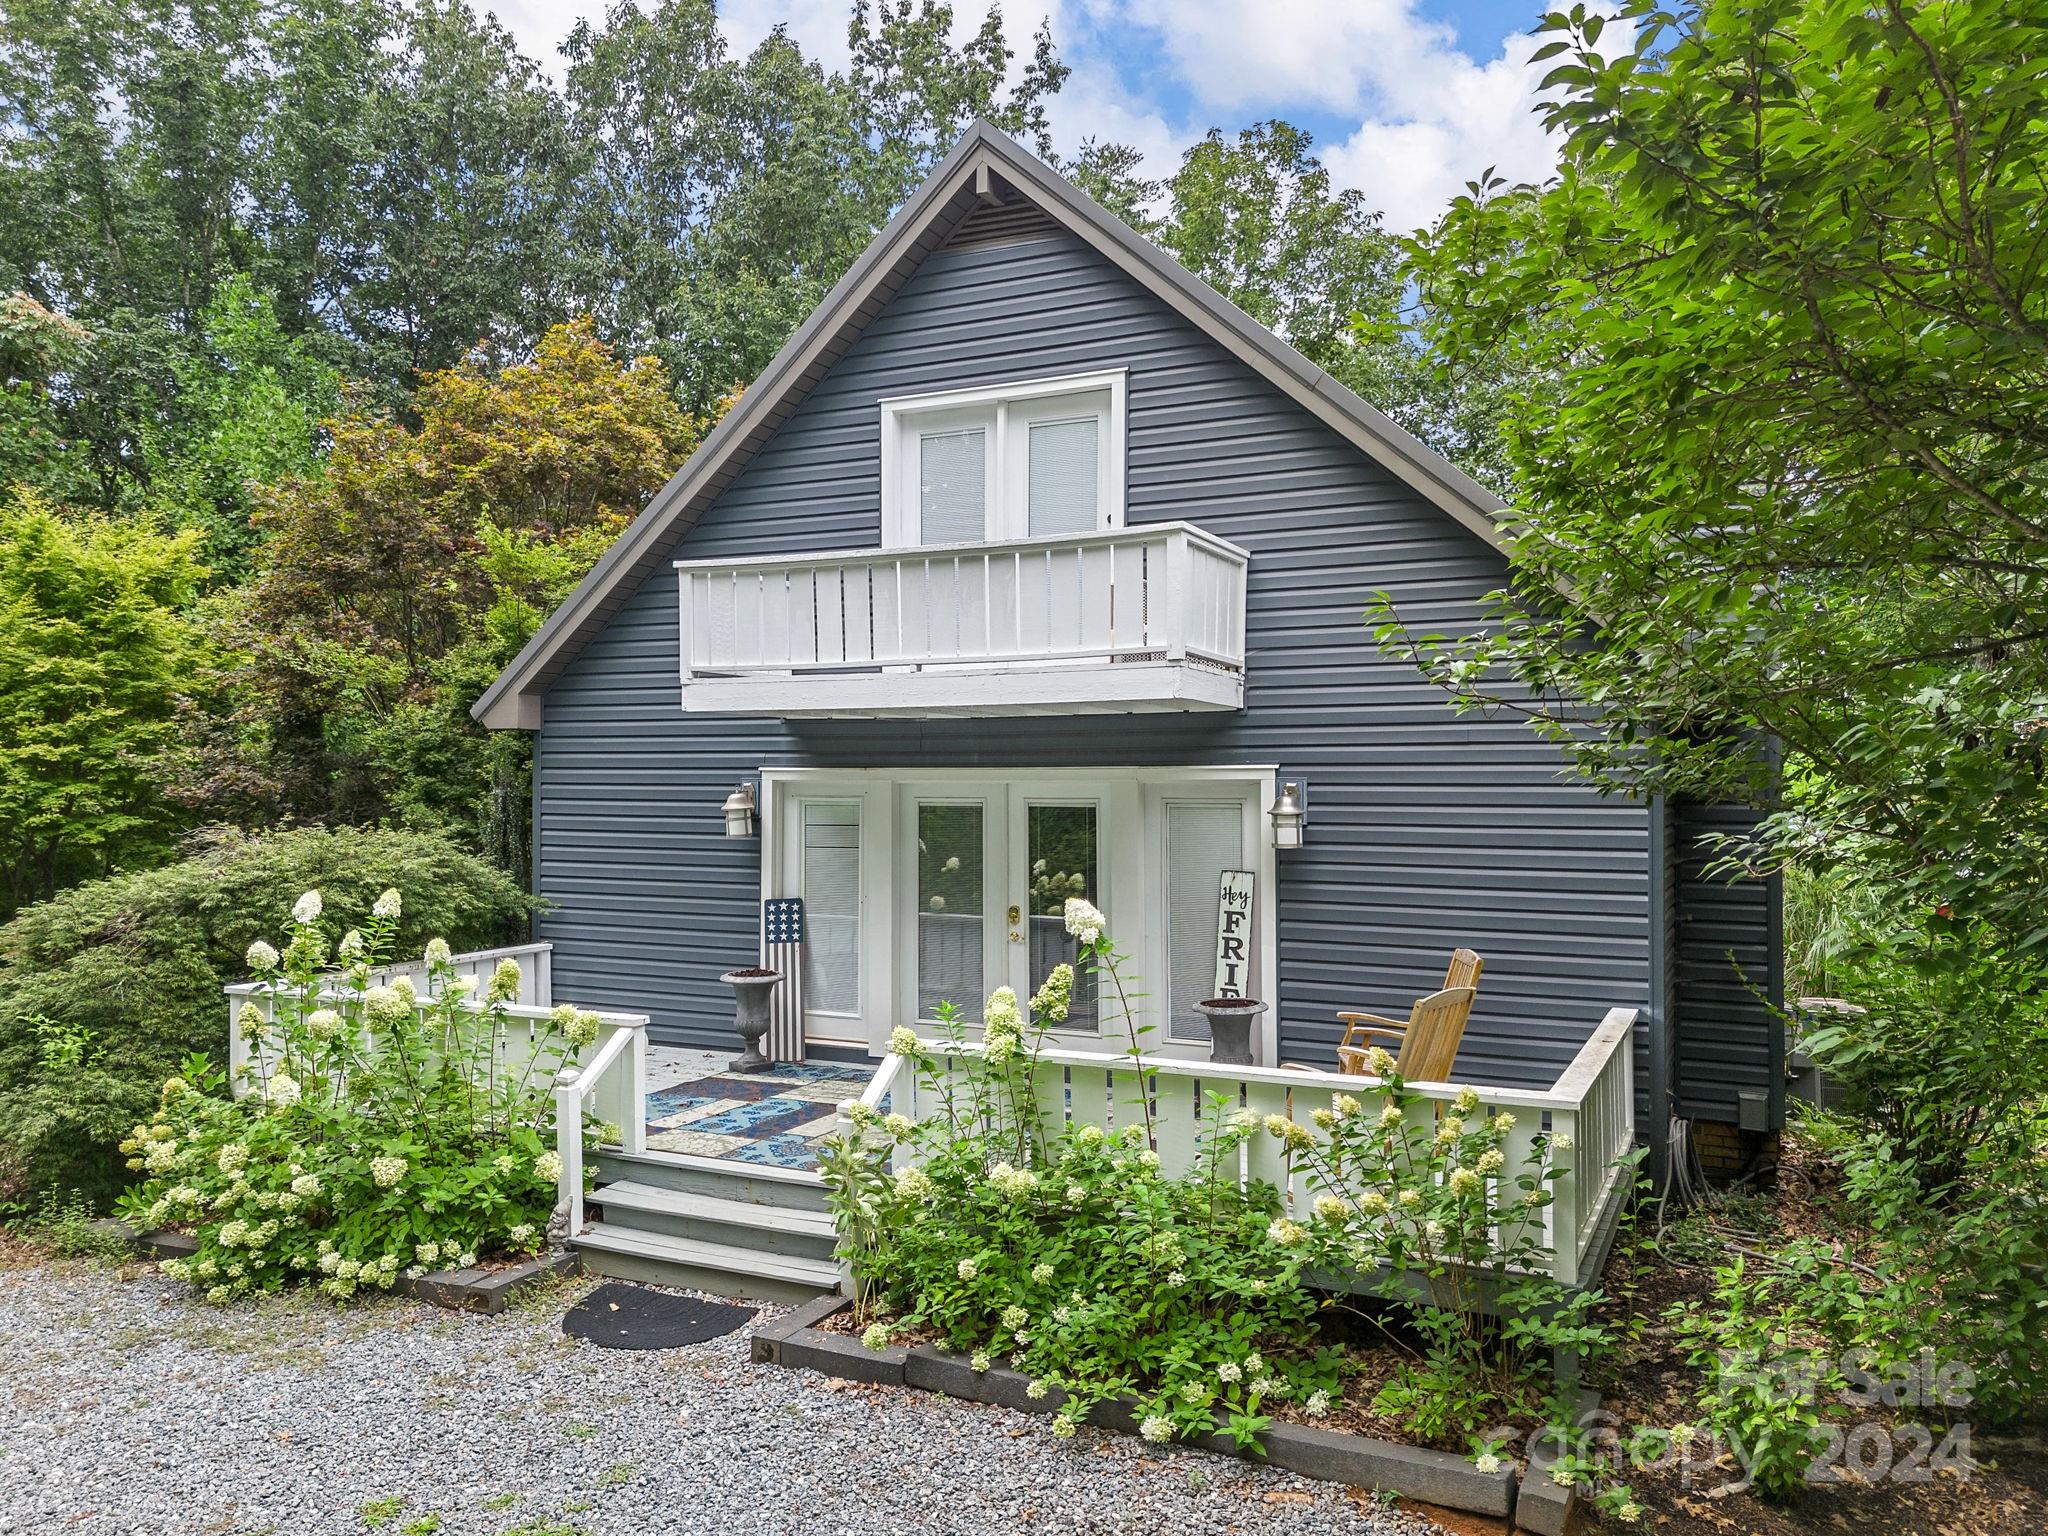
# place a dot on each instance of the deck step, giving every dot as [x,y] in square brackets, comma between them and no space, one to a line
[634,1253]
[712,1218]
[720,1178]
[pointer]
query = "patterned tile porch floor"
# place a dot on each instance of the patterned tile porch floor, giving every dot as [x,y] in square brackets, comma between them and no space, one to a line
[696,1105]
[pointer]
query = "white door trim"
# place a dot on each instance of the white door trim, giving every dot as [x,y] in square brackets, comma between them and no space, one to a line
[1132,871]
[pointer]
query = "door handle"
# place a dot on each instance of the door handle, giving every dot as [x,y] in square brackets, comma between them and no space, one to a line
[1016,917]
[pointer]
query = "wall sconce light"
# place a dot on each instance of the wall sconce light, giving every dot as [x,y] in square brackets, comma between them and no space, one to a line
[739,812]
[1288,817]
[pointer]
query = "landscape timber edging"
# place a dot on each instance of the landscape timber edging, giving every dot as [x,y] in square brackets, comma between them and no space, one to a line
[1327,1455]
[488,1291]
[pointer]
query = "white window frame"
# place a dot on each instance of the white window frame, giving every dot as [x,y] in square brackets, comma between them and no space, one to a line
[1005,412]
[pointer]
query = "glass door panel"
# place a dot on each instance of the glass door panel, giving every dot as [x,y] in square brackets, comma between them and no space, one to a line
[952,922]
[1062,851]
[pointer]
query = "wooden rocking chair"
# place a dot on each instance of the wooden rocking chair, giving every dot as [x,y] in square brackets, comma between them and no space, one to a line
[1424,1047]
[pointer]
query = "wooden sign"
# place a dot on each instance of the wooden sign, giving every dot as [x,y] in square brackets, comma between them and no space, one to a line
[1234,934]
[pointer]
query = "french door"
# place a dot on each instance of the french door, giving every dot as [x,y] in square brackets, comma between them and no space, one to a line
[986,872]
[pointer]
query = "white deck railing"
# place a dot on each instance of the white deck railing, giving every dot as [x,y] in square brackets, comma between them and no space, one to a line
[1591,1107]
[1166,593]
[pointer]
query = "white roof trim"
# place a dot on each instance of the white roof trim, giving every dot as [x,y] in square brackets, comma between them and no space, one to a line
[514,699]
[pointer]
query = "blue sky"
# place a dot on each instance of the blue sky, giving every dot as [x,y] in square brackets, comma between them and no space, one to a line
[1407,99]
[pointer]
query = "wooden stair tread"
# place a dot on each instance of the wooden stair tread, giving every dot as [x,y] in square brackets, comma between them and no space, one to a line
[631,1195]
[724,1258]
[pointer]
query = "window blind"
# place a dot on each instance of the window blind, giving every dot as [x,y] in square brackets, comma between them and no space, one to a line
[1201,842]
[831,882]
[952,486]
[1063,494]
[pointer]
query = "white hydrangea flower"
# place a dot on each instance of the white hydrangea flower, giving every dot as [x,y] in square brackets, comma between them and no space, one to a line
[1629,1513]
[1390,1116]
[282,1092]
[1014,1318]
[465,1261]
[1318,1405]
[1177,1277]
[1227,1371]
[427,1253]
[898,1125]
[1063,1426]
[1492,1161]
[1084,920]
[1505,1122]
[521,1235]
[979,1360]
[1157,1428]
[1034,1389]
[351,948]
[306,909]
[261,957]
[1467,1100]
[387,1171]
[1286,1233]
[548,1166]
[306,1185]
[438,952]
[232,1158]
[1464,1182]
[1486,1462]
[386,905]
[1562,1142]
[903,1040]
[1041,1274]
[323,1023]
[967,1269]
[1380,1060]
[876,1336]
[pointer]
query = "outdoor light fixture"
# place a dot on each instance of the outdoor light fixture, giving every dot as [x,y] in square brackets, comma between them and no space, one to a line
[1287,817]
[739,812]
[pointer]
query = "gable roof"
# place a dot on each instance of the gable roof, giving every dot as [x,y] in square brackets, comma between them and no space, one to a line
[969,178]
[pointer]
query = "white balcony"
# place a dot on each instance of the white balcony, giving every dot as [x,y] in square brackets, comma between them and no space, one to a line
[1146,618]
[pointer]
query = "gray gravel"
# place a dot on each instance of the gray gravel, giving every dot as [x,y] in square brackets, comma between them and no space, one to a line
[127,1407]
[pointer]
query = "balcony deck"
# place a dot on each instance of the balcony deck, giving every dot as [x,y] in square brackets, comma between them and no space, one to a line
[1146,618]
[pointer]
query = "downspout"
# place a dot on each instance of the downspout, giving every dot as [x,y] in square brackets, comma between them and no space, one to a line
[1662,915]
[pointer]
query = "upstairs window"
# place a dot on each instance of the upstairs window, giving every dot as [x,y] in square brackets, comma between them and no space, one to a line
[1015,461]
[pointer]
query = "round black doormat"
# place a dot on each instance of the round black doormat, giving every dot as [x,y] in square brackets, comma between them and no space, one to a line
[621,1316]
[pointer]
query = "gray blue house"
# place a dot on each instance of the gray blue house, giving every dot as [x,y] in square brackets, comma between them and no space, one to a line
[1031,567]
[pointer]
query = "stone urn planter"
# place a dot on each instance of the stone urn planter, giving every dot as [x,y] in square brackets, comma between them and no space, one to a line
[751,988]
[1230,1028]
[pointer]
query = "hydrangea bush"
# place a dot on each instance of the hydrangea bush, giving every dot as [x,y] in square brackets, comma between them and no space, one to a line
[377,1129]
[1067,1250]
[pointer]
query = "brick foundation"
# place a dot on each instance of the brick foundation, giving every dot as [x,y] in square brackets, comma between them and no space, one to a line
[1727,1152]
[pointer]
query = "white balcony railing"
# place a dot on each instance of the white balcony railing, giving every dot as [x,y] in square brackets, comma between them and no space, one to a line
[1136,618]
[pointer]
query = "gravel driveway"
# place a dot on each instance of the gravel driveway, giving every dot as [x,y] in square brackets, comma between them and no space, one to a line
[126,1407]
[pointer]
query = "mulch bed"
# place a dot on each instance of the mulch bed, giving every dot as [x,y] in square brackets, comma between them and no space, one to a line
[1648,1382]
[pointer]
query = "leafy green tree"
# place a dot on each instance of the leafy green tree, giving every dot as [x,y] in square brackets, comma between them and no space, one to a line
[106,988]
[721,197]
[456,240]
[38,350]
[95,653]
[1786,295]
[250,407]
[1258,221]
[394,584]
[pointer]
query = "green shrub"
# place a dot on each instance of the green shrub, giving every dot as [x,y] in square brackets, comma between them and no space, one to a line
[379,1129]
[107,988]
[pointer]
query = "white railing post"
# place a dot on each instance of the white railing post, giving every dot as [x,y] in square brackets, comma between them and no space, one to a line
[569,1148]
[1169,606]
[1565,1196]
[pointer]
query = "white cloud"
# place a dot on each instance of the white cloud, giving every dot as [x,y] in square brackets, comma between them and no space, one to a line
[1410,163]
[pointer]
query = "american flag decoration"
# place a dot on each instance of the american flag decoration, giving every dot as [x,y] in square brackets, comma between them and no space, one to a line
[782,949]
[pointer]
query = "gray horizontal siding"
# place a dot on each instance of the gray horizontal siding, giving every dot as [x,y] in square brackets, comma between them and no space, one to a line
[1427,830]
[1728,973]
